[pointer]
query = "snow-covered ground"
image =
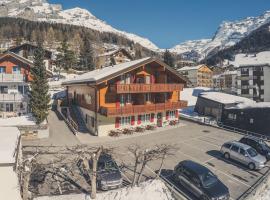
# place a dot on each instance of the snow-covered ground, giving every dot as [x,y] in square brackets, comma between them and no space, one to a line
[150,190]
[24,120]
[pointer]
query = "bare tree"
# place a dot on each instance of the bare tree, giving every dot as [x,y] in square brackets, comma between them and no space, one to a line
[63,165]
[136,151]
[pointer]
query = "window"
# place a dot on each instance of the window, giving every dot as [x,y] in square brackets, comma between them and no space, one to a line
[124,121]
[251,120]
[2,69]
[228,146]
[20,89]
[16,70]
[235,148]
[128,98]
[172,114]
[232,116]
[148,97]
[145,118]
[88,98]
[242,152]
[3,89]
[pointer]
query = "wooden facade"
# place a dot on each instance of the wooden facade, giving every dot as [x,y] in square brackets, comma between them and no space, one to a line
[150,88]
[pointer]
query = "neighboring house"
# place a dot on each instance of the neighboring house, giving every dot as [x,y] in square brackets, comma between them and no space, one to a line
[14,84]
[183,63]
[199,76]
[136,93]
[113,57]
[213,103]
[253,72]
[226,82]
[27,50]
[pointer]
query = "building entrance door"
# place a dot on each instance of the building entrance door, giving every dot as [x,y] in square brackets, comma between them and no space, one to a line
[159,119]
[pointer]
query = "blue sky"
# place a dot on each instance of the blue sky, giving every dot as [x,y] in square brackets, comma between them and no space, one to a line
[169,22]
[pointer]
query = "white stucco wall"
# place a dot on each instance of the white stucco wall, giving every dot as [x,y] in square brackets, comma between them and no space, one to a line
[266,71]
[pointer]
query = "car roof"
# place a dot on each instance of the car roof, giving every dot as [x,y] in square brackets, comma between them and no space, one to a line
[105,158]
[239,144]
[194,167]
[253,138]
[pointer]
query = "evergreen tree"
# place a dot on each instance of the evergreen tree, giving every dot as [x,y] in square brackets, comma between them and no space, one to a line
[39,97]
[87,58]
[168,58]
[66,58]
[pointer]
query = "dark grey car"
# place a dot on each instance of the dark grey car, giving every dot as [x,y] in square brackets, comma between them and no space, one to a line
[200,181]
[108,174]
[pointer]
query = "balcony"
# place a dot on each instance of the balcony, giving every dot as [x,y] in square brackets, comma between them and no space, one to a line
[11,78]
[141,109]
[147,88]
[12,97]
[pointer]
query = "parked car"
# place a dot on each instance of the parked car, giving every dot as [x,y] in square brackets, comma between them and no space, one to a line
[258,144]
[108,173]
[244,154]
[200,181]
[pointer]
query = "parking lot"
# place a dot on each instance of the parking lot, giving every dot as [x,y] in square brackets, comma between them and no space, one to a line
[196,142]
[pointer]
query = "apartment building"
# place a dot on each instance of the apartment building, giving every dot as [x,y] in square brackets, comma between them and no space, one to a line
[135,93]
[199,76]
[226,82]
[253,76]
[113,57]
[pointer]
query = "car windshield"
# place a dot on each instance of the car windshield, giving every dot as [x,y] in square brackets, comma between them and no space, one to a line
[209,179]
[264,145]
[107,166]
[252,152]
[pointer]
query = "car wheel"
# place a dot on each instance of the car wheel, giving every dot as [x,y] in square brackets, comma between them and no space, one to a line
[227,156]
[251,166]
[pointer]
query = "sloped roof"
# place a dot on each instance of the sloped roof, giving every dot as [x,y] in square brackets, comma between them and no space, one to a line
[110,53]
[190,68]
[226,98]
[11,49]
[99,75]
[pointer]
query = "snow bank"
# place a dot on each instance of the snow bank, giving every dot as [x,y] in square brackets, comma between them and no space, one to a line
[25,120]
[150,190]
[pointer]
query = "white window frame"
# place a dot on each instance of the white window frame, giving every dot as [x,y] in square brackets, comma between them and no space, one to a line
[125,121]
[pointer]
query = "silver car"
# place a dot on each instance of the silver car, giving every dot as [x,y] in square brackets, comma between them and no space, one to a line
[243,154]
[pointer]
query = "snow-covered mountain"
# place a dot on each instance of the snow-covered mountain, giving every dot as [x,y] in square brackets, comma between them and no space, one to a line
[41,10]
[228,34]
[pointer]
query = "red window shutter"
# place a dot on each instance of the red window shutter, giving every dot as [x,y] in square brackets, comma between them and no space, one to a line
[132,120]
[117,122]
[139,119]
[152,117]
[167,115]
[176,114]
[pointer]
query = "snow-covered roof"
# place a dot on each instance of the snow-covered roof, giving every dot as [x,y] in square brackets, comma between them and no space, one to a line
[226,98]
[9,138]
[262,58]
[254,104]
[191,94]
[186,68]
[98,74]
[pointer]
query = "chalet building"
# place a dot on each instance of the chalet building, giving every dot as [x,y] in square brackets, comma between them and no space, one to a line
[253,72]
[27,50]
[136,93]
[14,84]
[113,57]
[199,76]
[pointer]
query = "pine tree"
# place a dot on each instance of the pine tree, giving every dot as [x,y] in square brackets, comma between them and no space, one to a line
[87,58]
[66,58]
[168,58]
[39,97]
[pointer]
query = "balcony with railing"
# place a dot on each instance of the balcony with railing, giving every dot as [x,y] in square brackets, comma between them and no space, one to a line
[146,88]
[6,78]
[13,97]
[141,109]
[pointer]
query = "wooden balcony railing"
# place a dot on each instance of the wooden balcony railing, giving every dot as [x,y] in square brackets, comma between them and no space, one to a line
[146,88]
[141,109]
